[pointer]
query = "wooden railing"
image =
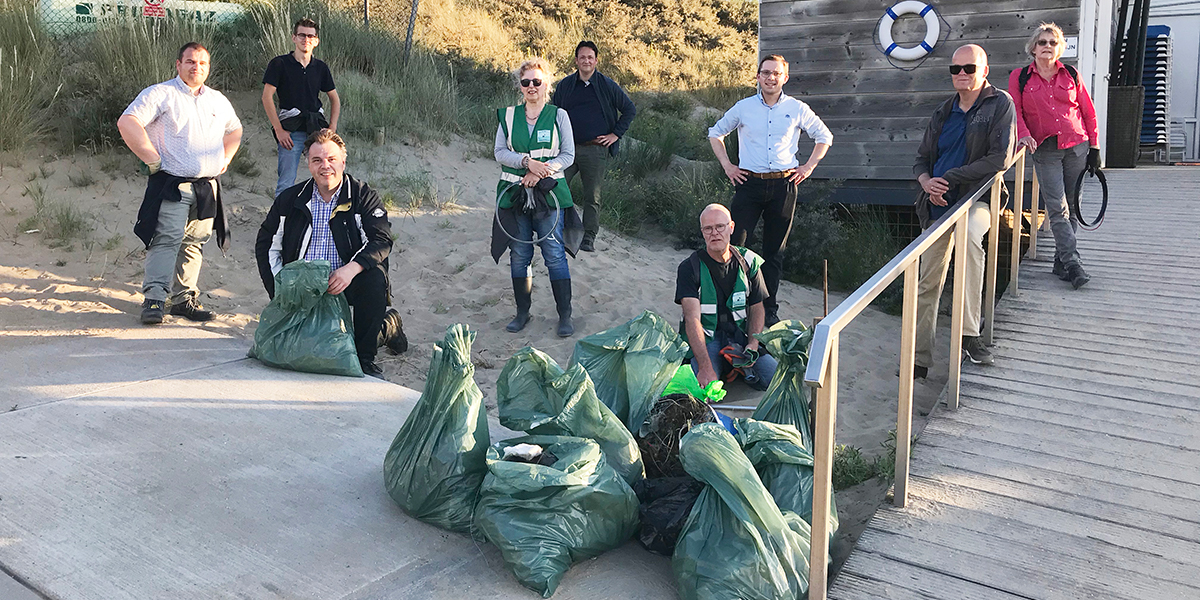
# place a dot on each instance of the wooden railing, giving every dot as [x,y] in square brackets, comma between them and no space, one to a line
[822,372]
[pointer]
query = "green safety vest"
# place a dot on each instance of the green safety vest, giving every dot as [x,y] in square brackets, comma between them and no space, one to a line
[543,146]
[748,265]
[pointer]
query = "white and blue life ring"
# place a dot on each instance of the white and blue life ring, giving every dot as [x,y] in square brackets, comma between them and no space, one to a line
[933,30]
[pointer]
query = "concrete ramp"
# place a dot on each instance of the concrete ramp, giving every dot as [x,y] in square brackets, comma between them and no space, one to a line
[161,463]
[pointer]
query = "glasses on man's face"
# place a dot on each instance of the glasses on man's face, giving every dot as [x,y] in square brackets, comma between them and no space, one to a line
[529,82]
[1051,43]
[306,36]
[711,229]
[769,74]
[968,69]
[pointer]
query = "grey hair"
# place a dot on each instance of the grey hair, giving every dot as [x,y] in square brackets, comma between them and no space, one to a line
[1050,28]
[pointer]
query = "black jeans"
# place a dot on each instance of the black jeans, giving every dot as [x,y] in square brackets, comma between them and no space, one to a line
[774,200]
[367,294]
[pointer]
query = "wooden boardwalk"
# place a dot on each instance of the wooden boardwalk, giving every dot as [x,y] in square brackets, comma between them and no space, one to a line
[1072,468]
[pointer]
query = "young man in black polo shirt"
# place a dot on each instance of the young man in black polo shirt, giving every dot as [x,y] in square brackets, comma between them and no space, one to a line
[299,79]
[600,114]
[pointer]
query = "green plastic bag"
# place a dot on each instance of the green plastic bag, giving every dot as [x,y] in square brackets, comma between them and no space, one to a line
[784,465]
[436,463]
[536,396]
[543,518]
[684,382]
[786,399]
[736,542]
[631,364]
[303,328]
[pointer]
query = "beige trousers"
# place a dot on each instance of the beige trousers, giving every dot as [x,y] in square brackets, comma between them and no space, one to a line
[934,264]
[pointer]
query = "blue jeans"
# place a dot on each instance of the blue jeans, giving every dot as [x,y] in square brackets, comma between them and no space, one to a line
[763,369]
[520,254]
[289,160]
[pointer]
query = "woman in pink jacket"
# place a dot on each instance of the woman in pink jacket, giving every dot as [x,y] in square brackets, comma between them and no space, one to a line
[1057,122]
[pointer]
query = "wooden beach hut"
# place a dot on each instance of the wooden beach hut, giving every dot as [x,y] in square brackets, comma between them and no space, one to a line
[877,105]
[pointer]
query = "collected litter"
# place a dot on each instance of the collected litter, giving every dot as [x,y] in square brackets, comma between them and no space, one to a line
[786,399]
[669,420]
[544,517]
[631,364]
[535,395]
[684,382]
[666,503]
[436,464]
[304,328]
[736,542]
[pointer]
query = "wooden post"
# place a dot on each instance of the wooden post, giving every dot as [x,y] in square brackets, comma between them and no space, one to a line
[823,430]
[908,348]
[956,310]
[1014,266]
[993,257]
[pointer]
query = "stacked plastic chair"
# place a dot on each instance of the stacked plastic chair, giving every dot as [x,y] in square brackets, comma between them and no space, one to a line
[1155,138]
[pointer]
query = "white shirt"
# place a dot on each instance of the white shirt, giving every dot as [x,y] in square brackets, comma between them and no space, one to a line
[768,136]
[186,130]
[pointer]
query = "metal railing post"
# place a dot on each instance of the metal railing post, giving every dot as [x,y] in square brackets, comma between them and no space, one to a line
[823,429]
[993,258]
[956,310]
[1035,196]
[1014,266]
[908,348]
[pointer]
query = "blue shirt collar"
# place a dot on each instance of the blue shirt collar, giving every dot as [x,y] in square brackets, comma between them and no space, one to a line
[782,96]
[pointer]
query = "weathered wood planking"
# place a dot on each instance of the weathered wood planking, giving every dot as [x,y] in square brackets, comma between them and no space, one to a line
[879,110]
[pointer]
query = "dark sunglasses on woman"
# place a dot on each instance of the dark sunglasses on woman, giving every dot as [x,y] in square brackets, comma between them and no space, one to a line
[1047,42]
[529,82]
[968,69]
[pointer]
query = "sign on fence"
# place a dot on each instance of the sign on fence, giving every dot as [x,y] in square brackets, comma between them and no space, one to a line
[77,16]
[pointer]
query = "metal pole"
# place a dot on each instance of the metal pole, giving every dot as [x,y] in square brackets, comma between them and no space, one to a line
[825,266]
[993,257]
[908,348]
[366,14]
[956,310]
[412,20]
[1035,216]
[1014,267]
[1114,68]
[818,573]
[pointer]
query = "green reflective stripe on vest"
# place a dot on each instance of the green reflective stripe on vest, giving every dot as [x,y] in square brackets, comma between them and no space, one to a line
[543,145]
[736,302]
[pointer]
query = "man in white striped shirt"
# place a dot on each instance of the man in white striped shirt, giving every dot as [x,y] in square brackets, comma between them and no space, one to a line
[768,126]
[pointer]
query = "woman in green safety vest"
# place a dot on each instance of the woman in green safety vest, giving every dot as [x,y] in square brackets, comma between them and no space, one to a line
[534,143]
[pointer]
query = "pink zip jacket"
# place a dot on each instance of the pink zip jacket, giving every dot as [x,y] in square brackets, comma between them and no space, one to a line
[1059,107]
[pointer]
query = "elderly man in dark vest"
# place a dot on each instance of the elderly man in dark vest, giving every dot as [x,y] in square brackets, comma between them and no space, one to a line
[721,290]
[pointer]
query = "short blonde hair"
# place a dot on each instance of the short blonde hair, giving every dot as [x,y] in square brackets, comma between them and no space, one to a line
[535,62]
[1052,29]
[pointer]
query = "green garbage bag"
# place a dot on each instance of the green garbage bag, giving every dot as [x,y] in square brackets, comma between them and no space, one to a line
[784,465]
[544,517]
[684,382]
[631,364]
[304,328]
[786,399]
[536,396]
[736,542]
[436,464]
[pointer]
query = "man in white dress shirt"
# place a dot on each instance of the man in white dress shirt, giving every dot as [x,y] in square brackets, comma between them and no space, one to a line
[768,127]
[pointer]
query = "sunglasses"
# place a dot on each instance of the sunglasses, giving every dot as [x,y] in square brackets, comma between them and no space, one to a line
[1050,43]
[529,82]
[968,69]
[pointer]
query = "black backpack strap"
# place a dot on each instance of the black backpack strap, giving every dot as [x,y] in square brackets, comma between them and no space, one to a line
[1026,73]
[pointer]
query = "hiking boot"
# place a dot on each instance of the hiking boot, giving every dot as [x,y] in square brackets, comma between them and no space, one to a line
[523,293]
[1077,276]
[589,243]
[192,310]
[370,368]
[391,335]
[562,300]
[976,350]
[152,312]
[1059,269]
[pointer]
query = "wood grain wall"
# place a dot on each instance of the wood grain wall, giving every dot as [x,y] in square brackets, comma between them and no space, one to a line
[877,112]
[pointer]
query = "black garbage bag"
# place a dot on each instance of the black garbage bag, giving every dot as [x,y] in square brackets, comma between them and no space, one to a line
[542,517]
[784,465]
[631,364]
[786,399]
[665,505]
[736,542]
[537,396]
[436,463]
[304,328]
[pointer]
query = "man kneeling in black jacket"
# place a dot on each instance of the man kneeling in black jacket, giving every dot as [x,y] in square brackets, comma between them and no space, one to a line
[337,218]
